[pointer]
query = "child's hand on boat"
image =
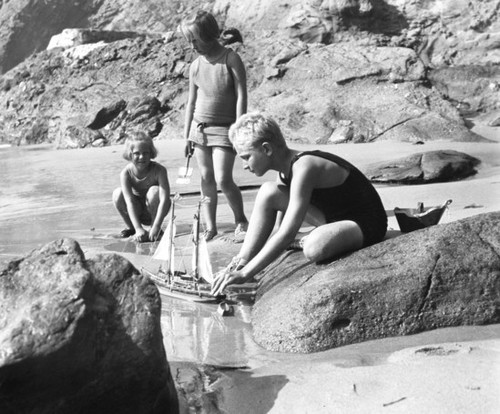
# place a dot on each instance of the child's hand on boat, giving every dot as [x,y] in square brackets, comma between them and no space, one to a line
[224,279]
[154,233]
[141,235]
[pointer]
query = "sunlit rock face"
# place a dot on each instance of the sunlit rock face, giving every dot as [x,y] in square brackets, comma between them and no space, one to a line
[444,275]
[425,167]
[331,71]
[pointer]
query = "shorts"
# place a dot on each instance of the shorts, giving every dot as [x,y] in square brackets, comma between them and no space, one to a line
[210,136]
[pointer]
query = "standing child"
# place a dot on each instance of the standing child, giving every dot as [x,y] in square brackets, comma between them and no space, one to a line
[144,195]
[314,186]
[217,97]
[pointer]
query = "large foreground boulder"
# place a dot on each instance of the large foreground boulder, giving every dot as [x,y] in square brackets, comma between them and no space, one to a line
[445,275]
[81,336]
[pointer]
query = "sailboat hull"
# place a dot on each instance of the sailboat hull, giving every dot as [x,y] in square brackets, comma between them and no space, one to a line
[183,288]
[195,286]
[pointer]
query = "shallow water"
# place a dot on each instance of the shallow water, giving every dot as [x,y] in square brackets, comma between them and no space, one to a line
[48,194]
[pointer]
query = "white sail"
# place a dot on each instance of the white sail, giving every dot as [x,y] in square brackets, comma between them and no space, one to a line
[204,265]
[165,249]
[202,268]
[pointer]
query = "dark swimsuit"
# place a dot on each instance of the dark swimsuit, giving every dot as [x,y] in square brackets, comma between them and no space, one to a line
[355,199]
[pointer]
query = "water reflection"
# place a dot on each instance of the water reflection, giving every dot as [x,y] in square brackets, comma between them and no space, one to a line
[68,194]
[197,332]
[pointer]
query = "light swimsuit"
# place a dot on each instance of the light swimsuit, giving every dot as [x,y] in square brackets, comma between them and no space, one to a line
[215,108]
[141,186]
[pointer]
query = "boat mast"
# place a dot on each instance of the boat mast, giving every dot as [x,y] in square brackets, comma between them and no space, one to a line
[196,242]
[171,236]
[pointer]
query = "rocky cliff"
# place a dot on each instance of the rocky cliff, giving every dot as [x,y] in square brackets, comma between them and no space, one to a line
[328,71]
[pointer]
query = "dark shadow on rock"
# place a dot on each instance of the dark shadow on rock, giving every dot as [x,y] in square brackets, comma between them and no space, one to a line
[105,115]
[252,395]
[267,283]
[209,389]
[383,19]
[88,338]
[333,259]
[469,123]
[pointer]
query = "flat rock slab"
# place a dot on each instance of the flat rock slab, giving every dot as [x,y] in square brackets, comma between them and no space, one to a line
[81,336]
[424,167]
[445,275]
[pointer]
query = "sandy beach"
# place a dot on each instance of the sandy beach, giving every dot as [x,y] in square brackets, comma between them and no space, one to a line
[452,370]
[452,377]
[79,74]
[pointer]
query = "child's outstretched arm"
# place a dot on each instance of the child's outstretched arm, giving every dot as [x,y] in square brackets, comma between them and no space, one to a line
[304,180]
[164,203]
[240,83]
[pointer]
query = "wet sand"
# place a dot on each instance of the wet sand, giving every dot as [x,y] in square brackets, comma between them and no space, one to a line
[444,371]
[451,370]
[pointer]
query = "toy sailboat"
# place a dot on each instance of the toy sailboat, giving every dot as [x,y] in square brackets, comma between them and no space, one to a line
[193,286]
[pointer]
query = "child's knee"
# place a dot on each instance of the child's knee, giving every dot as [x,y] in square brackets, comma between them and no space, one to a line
[314,248]
[272,195]
[209,179]
[329,241]
[153,200]
[153,194]
[267,190]
[117,196]
[226,184]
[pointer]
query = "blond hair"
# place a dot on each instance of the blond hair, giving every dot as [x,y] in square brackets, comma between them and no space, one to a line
[256,128]
[203,24]
[135,138]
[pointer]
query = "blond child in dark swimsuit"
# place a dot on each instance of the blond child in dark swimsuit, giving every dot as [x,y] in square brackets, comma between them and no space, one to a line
[144,195]
[323,188]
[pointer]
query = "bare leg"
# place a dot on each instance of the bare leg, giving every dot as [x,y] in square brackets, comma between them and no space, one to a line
[270,199]
[121,207]
[223,167]
[325,241]
[208,185]
[333,239]
[153,201]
